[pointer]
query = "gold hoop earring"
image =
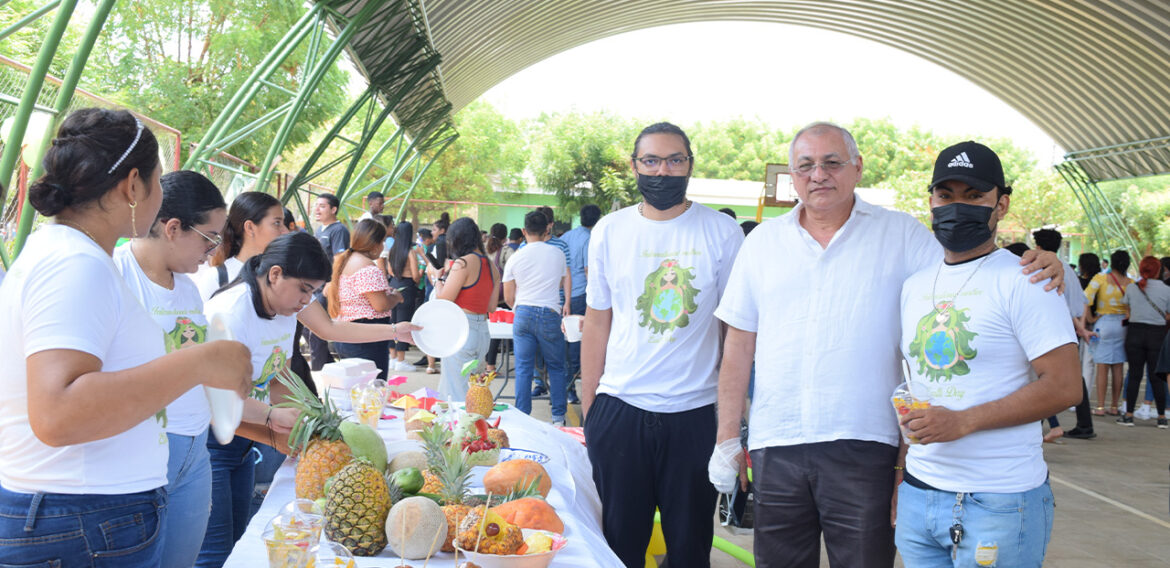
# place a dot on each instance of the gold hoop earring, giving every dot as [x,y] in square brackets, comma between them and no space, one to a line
[133,222]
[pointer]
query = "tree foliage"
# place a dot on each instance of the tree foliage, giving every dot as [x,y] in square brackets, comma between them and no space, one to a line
[584,158]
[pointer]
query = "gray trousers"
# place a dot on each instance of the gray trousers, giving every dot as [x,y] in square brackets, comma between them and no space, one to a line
[842,489]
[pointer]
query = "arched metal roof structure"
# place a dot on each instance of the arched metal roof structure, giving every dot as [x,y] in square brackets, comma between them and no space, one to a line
[1092,74]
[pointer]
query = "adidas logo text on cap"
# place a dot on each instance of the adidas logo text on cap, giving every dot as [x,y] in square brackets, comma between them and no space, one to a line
[961,161]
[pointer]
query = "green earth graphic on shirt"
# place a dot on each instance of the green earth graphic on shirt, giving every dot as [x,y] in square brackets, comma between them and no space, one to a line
[186,333]
[276,361]
[942,343]
[668,298]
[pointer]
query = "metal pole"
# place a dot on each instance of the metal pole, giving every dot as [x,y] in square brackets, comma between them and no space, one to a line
[249,88]
[28,19]
[328,139]
[64,97]
[421,174]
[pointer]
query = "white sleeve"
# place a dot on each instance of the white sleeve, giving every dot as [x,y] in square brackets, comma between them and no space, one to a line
[1039,319]
[509,274]
[922,249]
[59,311]
[738,307]
[597,293]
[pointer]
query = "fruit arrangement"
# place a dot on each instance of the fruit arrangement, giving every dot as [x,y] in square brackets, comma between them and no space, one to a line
[471,432]
[479,398]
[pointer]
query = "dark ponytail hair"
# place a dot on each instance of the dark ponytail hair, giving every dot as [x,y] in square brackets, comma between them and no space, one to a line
[78,163]
[499,234]
[400,250]
[463,238]
[298,255]
[444,221]
[248,206]
[187,196]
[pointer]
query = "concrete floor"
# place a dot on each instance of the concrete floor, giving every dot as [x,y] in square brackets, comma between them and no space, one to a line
[1112,493]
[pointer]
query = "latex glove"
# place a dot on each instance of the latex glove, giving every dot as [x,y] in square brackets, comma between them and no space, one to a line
[723,469]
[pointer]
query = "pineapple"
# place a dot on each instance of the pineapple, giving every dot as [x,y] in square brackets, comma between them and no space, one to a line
[317,435]
[431,483]
[355,512]
[498,437]
[479,398]
[449,469]
[490,535]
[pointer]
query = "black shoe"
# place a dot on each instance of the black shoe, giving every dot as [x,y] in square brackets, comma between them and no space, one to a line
[539,389]
[1081,434]
[573,399]
[1162,423]
[1125,420]
[422,361]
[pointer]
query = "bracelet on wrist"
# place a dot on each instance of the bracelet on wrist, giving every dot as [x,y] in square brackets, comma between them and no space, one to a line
[899,468]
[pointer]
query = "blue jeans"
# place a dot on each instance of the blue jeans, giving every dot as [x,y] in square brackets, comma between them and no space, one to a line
[56,530]
[268,460]
[233,469]
[189,496]
[576,306]
[1000,529]
[538,330]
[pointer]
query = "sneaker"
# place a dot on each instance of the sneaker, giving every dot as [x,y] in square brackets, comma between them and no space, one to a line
[404,366]
[422,360]
[539,389]
[560,423]
[1162,423]
[1147,412]
[1125,420]
[1081,434]
[573,398]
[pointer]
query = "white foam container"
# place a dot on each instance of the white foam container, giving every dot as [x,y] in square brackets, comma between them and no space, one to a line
[337,378]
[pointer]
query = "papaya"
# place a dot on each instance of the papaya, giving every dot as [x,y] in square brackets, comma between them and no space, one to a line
[504,477]
[531,513]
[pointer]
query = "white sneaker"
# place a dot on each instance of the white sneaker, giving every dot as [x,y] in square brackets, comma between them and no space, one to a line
[404,366]
[1121,409]
[1147,413]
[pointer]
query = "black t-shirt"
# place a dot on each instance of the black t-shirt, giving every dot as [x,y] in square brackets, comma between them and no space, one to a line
[441,248]
[334,238]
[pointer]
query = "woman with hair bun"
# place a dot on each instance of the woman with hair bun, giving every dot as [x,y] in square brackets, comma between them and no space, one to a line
[83,448]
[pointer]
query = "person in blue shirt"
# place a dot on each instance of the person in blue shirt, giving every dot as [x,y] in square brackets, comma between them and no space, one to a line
[578,241]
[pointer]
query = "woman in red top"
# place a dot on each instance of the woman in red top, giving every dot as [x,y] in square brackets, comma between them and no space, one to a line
[359,292]
[473,283]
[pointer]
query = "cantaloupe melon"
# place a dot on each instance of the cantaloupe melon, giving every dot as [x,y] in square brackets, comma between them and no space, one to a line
[416,528]
[408,459]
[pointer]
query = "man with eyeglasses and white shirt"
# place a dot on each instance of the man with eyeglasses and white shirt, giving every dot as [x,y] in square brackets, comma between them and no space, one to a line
[813,299]
[649,353]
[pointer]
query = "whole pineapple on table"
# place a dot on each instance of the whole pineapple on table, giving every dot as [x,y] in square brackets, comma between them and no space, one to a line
[355,512]
[317,436]
[449,477]
[479,399]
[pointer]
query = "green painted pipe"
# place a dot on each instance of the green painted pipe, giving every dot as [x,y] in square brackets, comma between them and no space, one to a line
[32,17]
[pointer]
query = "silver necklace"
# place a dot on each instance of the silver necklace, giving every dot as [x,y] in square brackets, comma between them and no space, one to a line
[685,209]
[939,309]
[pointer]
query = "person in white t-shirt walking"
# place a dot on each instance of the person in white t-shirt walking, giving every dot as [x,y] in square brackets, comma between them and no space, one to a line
[649,353]
[975,490]
[87,376]
[533,280]
[375,201]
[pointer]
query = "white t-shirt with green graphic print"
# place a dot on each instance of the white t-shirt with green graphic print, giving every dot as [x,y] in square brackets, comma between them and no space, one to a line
[269,340]
[64,292]
[663,280]
[975,351]
[180,314]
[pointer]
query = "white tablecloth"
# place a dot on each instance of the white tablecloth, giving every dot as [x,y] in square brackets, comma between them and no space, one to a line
[573,496]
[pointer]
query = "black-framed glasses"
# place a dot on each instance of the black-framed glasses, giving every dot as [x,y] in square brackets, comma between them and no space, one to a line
[673,162]
[215,241]
[829,166]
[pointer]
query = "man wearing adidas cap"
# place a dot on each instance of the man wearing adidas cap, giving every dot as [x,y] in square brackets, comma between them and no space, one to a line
[975,489]
[821,321]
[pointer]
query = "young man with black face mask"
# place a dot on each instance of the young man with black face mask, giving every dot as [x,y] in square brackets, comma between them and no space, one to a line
[649,352]
[972,329]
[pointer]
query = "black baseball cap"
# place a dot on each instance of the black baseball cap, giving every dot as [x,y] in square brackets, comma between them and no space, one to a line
[972,163]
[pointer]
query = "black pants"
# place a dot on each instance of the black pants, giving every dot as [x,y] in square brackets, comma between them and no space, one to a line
[1143,343]
[318,348]
[642,460]
[404,311]
[376,351]
[842,488]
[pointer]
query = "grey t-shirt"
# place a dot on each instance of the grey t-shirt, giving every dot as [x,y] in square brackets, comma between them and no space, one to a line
[1142,310]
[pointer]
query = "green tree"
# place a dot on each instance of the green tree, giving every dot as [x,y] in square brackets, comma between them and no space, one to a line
[584,158]
[25,44]
[180,62]
[737,149]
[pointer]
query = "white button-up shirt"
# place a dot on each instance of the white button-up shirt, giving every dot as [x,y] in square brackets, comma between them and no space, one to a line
[827,323]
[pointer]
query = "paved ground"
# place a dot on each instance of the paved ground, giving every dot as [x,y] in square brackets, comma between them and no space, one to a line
[1112,493]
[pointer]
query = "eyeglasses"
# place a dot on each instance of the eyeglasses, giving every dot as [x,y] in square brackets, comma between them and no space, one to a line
[215,242]
[673,163]
[829,166]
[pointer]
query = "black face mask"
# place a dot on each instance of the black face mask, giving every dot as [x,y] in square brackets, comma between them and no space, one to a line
[961,227]
[663,192]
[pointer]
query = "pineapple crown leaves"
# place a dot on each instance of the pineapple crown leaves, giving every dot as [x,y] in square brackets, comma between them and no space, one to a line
[523,490]
[317,420]
[454,476]
[434,438]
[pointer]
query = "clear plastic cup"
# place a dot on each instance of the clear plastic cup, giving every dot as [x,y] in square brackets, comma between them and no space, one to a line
[301,515]
[331,555]
[287,549]
[907,397]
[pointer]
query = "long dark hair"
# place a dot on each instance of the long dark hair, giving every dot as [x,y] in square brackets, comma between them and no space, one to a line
[444,222]
[298,255]
[1089,265]
[248,206]
[499,234]
[400,250]
[463,238]
[368,235]
[187,196]
[82,164]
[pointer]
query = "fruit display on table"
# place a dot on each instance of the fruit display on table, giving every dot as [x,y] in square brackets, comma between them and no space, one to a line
[356,508]
[512,475]
[484,530]
[479,399]
[317,437]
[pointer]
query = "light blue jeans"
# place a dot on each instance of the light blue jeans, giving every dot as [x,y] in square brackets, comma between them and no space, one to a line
[1009,530]
[189,494]
[537,331]
[452,383]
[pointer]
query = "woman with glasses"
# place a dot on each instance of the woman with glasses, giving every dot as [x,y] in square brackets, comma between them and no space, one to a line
[87,377]
[156,268]
[253,221]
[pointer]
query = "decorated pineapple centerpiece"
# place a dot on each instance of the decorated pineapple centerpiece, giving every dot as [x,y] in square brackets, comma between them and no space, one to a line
[479,398]
[471,434]
[448,476]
